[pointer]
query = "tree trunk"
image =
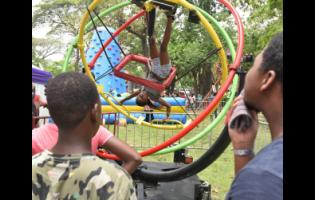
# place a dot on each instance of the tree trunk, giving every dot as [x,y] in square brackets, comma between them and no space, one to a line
[195,84]
[77,59]
[205,80]
[171,88]
[145,50]
[145,46]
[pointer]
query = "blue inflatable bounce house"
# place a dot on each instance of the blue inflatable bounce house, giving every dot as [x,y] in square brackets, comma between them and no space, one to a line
[111,83]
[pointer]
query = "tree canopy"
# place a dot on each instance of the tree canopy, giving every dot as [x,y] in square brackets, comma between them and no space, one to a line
[190,43]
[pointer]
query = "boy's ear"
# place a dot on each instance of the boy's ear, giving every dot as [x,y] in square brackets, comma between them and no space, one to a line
[268,80]
[95,112]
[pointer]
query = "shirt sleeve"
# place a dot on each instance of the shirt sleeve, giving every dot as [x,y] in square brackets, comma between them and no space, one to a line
[256,184]
[44,137]
[102,136]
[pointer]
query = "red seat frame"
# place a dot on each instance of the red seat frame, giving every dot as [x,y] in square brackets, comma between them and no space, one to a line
[147,83]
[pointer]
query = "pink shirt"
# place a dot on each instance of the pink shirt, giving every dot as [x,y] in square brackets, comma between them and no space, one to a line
[46,137]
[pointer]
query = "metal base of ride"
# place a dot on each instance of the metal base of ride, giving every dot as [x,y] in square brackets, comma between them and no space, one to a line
[191,188]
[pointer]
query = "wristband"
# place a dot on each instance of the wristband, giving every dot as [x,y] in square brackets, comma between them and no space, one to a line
[243,152]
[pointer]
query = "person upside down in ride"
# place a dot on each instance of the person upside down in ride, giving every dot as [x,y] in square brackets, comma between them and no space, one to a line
[159,69]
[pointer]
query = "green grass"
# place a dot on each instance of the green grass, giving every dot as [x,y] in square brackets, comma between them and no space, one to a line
[219,174]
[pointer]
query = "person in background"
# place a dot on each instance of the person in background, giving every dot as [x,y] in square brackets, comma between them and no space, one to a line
[37,102]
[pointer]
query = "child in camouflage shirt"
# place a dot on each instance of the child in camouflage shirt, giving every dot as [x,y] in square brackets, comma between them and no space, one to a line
[70,170]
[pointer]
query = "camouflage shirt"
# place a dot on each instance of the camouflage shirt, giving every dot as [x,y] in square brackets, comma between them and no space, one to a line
[79,176]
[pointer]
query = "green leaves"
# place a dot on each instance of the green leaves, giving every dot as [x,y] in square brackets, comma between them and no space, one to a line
[190,43]
[264,21]
[42,49]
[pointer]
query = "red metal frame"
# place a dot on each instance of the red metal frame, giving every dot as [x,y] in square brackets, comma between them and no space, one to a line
[141,59]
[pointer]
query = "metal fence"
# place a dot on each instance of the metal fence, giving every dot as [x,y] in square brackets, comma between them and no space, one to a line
[39,121]
[143,137]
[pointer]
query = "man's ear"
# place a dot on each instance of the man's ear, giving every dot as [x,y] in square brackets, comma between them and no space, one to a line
[268,80]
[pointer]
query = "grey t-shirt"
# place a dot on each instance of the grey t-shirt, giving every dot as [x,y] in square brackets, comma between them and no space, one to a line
[262,177]
[153,94]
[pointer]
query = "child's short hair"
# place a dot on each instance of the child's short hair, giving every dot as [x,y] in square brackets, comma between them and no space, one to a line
[273,56]
[69,97]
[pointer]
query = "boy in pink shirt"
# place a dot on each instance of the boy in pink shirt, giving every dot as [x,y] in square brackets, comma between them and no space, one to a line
[46,137]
